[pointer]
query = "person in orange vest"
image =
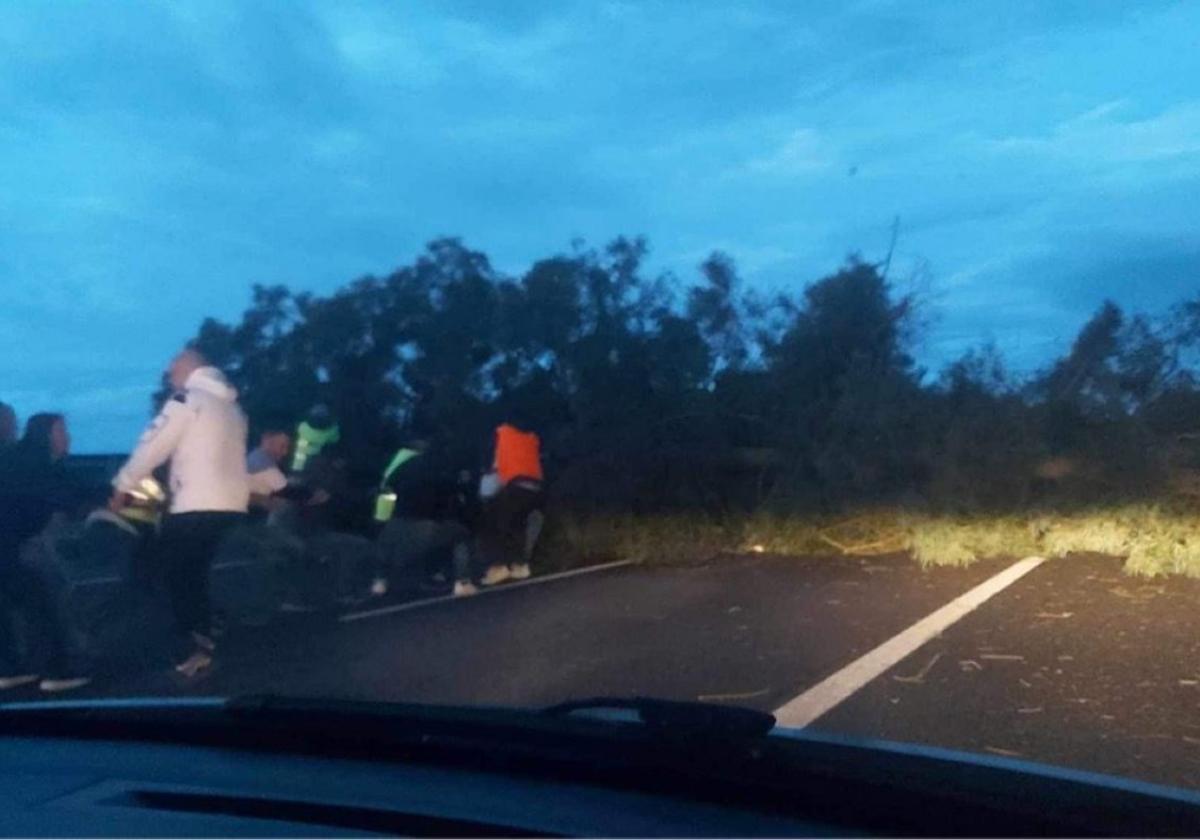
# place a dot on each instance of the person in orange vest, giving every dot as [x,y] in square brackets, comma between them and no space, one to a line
[513,500]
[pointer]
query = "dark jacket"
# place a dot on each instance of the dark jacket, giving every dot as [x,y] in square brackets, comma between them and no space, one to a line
[32,489]
[424,487]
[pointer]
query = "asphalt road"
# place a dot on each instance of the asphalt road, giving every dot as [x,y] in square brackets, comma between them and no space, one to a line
[750,630]
[1074,664]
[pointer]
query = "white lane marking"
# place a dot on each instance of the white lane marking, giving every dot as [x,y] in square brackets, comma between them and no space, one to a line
[802,710]
[488,590]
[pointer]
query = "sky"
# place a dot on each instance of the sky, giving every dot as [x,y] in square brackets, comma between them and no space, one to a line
[156,159]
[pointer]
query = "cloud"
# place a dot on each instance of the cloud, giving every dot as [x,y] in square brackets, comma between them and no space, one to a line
[1100,136]
[157,161]
[802,153]
[396,47]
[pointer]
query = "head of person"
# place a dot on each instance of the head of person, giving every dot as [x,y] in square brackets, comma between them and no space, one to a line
[519,416]
[320,417]
[8,424]
[276,443]
[46,435]
[186,362]
[420,436]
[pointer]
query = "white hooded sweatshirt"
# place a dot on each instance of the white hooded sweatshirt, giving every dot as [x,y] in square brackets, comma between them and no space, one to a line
[202,430]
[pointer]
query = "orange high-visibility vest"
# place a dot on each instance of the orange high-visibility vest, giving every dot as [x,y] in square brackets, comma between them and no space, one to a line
[518,454]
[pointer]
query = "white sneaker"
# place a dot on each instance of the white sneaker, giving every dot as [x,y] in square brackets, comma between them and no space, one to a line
[194,664]
[496,574]
[519,571]
[379,587]
[464,587]
[65,684]
[204,643]
[17,680]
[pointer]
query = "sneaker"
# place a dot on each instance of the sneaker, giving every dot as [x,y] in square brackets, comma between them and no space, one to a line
[63,684]
[496,574]
[464,587]
[17,680]
[379,587]
[519,571]
[204,643]
[194,664]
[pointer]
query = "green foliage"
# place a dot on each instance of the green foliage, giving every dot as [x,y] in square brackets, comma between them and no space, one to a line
[1152,540]
[657,396]
[957,542]
[673,539]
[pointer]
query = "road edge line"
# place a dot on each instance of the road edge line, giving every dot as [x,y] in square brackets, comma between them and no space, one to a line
[490,590]
[806,707]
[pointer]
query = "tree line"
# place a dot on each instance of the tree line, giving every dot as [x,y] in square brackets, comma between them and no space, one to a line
[652,393]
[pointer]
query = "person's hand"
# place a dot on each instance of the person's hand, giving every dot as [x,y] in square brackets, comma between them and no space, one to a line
[319,497]
[116,501]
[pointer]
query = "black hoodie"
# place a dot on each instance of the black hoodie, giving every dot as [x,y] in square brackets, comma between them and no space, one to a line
[33,487]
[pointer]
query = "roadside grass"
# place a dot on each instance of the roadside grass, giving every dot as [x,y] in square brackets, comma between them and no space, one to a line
[1153,539]
[576,540]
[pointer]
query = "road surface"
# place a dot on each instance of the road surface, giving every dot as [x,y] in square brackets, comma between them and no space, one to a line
[1069,662]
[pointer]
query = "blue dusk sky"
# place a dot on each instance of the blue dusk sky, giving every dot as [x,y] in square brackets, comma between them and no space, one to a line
[156,159]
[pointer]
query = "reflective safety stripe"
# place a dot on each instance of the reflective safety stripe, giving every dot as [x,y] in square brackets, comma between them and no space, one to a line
[300,456]
[385,506]
[401,458]
[385,500]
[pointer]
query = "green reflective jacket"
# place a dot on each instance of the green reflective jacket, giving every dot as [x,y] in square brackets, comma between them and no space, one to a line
[310,441]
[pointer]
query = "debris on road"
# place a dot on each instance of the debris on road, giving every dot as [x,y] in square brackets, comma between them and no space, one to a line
[1142,593]
[919,677]
[1001,751]
[716,698]
[969,665]
[1003,657]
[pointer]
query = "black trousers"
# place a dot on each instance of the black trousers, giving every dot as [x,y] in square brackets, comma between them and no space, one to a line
[23,590]
[188,543]
[506,517]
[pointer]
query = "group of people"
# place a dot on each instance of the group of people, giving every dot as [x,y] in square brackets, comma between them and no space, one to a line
[422,510]
[34,489]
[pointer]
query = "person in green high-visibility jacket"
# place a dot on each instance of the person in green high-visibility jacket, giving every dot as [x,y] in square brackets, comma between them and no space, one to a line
[314,433]
[417,513]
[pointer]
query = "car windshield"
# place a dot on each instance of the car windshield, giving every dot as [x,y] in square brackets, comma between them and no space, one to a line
[835,360]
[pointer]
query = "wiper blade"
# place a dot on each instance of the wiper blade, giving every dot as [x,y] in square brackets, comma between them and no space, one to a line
[676,716]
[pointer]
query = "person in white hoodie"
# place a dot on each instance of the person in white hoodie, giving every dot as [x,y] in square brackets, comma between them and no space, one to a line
[201,430]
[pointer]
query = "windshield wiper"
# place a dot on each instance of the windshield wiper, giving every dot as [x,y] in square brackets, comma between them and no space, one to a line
[673,717]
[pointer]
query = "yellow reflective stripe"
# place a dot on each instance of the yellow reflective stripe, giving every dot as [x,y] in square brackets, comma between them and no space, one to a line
[401,458]
[385,506]
[310,441]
